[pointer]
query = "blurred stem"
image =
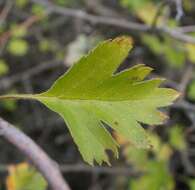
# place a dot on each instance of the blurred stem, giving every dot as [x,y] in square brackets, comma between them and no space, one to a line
[47,167]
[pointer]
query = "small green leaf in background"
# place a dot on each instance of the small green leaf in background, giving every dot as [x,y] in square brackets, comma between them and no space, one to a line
[68,3]
[170,49]
[153,43]
[17,47]
[24,177]
[191,90]
[139,157]
[148,16]
[90,93]
[154,169]
[140,10]
[177,139]
[38,10]
[134,4]
[45,45]
[9,105]
[192,184]
[18,32]
[156,178]
[3,67]
[190,48]
[21,3]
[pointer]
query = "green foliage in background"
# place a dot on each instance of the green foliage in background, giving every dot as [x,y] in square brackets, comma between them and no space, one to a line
[169,49]
[154,163]
[135,4]
[4,69]
[191,90]
[177,139]
[172,52]
[158,177]
[24,177]
[18,47]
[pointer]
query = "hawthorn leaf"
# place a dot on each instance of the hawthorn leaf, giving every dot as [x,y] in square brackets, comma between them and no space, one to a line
[92,93]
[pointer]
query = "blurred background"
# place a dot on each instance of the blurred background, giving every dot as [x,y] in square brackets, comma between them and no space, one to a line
[41,39]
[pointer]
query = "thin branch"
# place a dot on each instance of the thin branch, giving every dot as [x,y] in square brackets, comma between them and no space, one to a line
[187,76]
[78,168]
[7,82]
[182,104]
[4,13]
[177,35]
[51,8]
[26,24]
[179,9]
[127,171]
[117,22]
[186,29]
[36,155]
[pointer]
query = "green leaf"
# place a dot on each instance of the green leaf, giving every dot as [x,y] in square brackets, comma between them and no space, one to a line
[177,138]
[190,51]
[156,177]
[3,67]
[191,90]
[18,32]
[134,4]
[38,10]
[18,47]
[91,93]
[21,3]
[170,49]
[191,183]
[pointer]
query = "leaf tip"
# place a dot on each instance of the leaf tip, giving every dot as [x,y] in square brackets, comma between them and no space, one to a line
[125,41]
[177,94]
[164,117]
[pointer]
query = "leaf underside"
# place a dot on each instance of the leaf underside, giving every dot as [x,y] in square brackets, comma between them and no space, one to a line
[90,93]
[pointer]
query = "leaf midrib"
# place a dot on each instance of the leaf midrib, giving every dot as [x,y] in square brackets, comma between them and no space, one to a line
[42,97]
[95,100]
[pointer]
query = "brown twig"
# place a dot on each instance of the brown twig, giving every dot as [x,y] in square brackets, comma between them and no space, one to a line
[35,154]
[26,24]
